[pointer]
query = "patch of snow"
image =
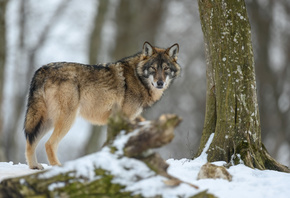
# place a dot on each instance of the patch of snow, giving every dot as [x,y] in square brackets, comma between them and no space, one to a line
[53,186]
[121,140]
[246,182]
[9,169]
[203,156]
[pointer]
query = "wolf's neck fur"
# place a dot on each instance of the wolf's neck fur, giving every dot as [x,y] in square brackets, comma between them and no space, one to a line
[156,94]
[137,88]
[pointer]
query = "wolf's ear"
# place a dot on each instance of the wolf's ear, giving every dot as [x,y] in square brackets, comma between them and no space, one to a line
[173,51]
[148,49]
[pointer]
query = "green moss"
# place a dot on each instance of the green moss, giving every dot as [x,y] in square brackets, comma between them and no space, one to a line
[242,147]
[203,194]
[74,186]
[102,187]
[113,149]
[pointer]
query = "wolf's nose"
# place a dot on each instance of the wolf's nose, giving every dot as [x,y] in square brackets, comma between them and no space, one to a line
[160,83]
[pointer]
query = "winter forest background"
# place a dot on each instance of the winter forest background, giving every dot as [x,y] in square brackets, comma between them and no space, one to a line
[91,31]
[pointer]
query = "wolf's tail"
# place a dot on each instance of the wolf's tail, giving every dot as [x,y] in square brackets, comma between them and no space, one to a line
[36,108]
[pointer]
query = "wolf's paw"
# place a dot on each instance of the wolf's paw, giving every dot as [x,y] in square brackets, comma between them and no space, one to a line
[36,166]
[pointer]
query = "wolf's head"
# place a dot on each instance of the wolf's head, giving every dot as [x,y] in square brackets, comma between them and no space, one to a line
[158,67]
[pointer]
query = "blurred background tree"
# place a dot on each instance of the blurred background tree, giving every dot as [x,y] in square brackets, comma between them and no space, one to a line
[39,32]
[2,65]
[270,26]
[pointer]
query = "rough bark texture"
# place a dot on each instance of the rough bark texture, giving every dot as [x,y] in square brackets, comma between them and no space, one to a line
[74,185]
[231,108]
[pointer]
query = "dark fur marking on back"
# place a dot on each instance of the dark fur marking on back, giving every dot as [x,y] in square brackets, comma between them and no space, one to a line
[125,59]
[98,66]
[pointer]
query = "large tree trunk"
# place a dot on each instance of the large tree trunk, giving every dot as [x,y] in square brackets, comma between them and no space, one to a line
[232,112]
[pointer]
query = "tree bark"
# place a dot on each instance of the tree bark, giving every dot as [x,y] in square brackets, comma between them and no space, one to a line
[232,112]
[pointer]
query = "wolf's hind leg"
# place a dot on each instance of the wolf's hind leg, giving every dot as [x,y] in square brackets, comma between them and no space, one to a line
[31,157]
[31,147]
[61,128]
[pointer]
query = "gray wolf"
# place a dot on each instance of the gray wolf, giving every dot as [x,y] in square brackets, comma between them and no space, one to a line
[60,91]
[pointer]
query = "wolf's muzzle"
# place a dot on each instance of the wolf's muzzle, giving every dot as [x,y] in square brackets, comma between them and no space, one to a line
[160,84]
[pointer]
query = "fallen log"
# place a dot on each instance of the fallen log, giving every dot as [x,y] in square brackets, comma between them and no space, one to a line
[127,152]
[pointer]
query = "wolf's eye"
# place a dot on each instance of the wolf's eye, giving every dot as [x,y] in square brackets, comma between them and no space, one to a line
[152,69]
[166,68]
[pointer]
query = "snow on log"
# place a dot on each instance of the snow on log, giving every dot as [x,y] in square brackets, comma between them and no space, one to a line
[157,134]
[120,169]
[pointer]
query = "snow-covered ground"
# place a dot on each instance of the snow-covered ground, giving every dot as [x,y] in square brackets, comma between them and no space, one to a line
[246,182]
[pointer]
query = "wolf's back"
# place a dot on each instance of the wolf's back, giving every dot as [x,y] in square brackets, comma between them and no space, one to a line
[36,108]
